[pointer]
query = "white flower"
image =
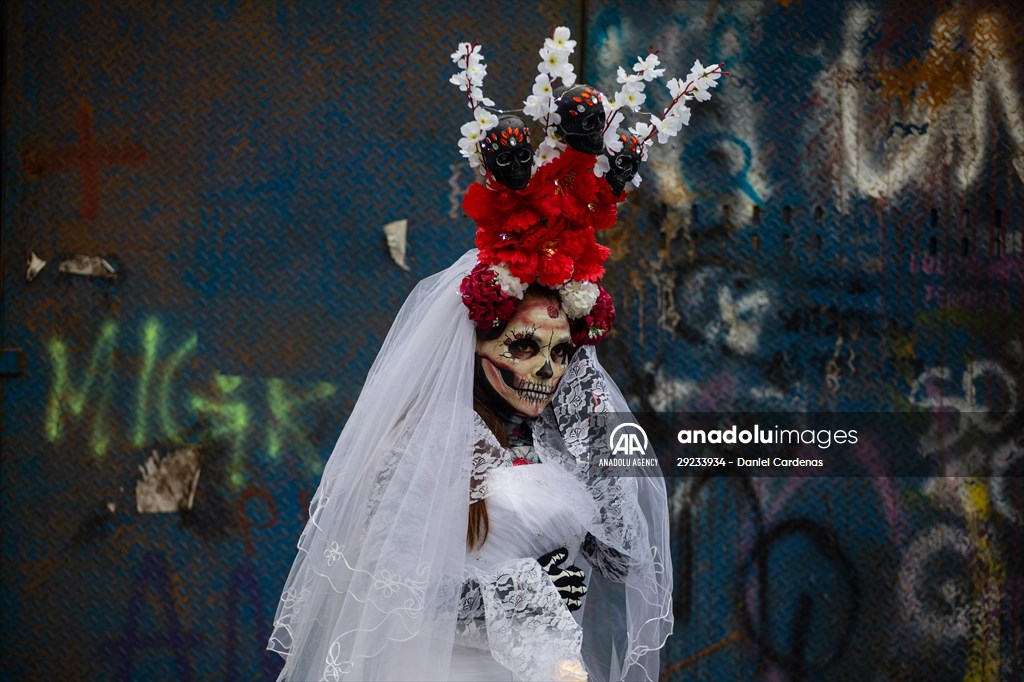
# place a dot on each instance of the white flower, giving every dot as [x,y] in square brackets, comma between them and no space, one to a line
[476,73]
[561,39]
[462,80]
[509,283]
[701,95]
[629,98]
[548,150]
[569,78]
[478,96]
[466,55]
[636,180]
[471,154]
[552,59]
[641,129]
[472,131]
[612,142]
[542,86]
[629,80]
[681,113]
[556,64]
[602,165]
[578,298]
[535,107]
[667,127]
[486,119]
[702,77]
[676,87]
[648,68]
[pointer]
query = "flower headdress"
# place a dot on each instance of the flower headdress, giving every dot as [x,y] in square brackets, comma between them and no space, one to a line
[537,212]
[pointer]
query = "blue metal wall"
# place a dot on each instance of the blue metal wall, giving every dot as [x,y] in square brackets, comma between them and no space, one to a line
[840,228]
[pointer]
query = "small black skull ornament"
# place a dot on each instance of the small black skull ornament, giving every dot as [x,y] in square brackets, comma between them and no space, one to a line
[623,164]
[582,118]
[508,154]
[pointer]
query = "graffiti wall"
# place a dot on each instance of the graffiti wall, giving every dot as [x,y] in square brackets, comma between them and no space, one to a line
[196,280]
[841,232]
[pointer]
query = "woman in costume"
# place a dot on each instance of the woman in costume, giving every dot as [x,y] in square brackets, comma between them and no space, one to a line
[462,527]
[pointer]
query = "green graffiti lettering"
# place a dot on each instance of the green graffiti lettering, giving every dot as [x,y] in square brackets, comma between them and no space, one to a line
[168,374]
[284,424]
[68,399]
[227,419]
[150,342]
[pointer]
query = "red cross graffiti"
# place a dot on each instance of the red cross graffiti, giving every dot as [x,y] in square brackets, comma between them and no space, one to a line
[87,157]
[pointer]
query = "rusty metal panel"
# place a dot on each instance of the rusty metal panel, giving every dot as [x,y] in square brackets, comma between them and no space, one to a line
[234,163]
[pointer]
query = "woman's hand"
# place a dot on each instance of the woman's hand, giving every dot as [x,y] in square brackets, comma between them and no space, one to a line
[569,581]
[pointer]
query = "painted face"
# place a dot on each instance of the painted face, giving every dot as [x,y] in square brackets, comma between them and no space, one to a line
[526,362]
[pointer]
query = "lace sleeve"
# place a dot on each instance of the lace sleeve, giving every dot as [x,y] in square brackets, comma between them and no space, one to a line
[470,624]
[581,399]
[609,562]
[529,629]
[487,454]
[517,614]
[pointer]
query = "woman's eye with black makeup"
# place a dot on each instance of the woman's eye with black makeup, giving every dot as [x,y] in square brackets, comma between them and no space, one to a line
[561,353]
[521,349]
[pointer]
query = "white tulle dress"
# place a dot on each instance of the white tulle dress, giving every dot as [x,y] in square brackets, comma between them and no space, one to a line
[383,587]
[533,509]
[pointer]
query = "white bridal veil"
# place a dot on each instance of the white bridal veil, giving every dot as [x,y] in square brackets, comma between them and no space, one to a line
[375,590]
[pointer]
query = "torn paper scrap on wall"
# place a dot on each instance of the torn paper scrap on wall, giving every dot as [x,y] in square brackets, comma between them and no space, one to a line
[35,266]
[89,266]
[169,483]
[396,232]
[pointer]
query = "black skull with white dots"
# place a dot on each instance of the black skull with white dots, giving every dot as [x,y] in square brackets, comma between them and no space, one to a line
[581,118]
[507,152]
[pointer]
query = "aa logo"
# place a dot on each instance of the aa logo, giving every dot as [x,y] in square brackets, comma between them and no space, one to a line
[628,439]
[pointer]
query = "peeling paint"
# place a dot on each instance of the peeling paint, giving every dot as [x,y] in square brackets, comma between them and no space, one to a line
[396,233]
[88,266]
[168,483]
[35,266]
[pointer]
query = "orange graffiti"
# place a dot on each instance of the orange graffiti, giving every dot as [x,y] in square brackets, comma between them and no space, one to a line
[962,40]
[731,638]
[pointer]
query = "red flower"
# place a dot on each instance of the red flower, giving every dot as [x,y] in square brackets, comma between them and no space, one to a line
[545,253]
[565,187]
[605,210]
[590,262]
[594,326]
[488,305]
[545,233]
[499,208]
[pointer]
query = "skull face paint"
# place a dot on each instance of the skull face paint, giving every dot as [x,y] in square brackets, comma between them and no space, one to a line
[507,152]
[524,364]
[581,118]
